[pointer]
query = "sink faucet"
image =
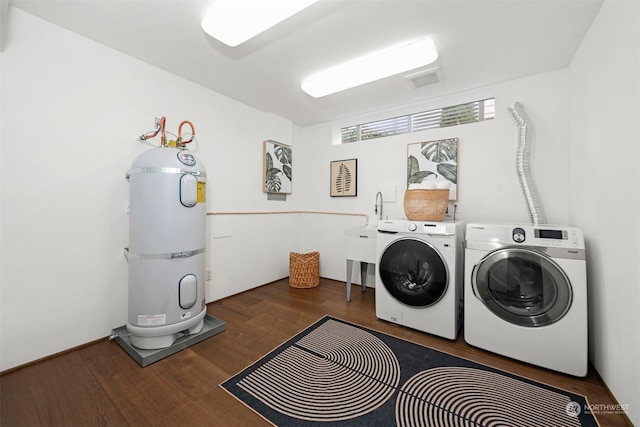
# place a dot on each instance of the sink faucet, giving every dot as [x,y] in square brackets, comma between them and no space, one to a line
[379,195]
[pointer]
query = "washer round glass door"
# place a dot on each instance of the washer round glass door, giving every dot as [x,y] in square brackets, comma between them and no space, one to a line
[522,286]
[413,272]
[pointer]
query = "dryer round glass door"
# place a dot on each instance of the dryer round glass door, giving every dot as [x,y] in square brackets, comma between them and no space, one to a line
[413,272]
[522,286]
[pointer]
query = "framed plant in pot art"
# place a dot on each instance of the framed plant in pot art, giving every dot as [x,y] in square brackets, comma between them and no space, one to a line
[278,164]
[434,162]
[344,178]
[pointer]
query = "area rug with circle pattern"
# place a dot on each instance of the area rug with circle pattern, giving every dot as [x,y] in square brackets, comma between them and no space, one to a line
[341,374]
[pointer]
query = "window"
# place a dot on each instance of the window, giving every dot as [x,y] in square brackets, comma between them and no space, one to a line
[454,115]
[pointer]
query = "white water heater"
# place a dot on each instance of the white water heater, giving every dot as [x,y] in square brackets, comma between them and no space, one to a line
[166,254]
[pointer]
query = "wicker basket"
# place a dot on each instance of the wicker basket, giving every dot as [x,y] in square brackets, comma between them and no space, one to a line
[304,270]
[426,205]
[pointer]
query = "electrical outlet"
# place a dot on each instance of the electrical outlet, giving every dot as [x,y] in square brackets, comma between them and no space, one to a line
[209,275]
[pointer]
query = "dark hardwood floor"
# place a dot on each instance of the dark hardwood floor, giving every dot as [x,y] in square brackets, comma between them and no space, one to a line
[99,384]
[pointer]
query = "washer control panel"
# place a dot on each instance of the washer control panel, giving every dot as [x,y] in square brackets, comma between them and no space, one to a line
[418,227]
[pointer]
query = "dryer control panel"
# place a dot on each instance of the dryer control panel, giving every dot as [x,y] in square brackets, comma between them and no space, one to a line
[519,234]
[549,236]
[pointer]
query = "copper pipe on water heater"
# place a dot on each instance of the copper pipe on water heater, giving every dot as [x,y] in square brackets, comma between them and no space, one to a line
[160,128]
[163,138]
[180,142]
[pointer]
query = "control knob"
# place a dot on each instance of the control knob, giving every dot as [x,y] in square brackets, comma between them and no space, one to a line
[518,235]
[412,227]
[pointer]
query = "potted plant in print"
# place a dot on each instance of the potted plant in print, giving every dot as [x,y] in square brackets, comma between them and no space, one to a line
[278,165]
[434,161]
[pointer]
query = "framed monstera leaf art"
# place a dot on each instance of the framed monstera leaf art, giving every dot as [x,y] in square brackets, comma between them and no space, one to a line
[344,177]
[278,166]
[434,162]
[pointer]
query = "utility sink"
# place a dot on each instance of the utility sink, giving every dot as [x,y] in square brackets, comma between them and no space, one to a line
[361,247]
[361,243]
[367,231]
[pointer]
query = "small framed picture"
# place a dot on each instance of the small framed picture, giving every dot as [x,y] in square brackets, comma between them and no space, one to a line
[344,178]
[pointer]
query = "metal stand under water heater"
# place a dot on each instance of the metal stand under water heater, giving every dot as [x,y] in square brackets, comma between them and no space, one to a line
[167,258]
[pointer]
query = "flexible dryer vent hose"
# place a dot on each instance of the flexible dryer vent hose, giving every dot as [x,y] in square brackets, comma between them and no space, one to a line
[525,131]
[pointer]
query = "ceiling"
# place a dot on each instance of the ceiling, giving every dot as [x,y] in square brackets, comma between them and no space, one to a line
[479,43]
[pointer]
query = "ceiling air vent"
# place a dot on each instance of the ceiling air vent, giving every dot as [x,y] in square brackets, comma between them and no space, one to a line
[425,77]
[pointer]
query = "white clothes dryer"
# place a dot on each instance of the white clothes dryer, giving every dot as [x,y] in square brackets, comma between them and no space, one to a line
[419,275]
[525,294]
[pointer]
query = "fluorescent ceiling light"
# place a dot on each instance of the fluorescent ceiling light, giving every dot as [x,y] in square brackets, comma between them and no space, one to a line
[378,65]
[233,22]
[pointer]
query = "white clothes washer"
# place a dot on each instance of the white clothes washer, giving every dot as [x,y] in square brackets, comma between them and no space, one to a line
[419,275]
[525,294]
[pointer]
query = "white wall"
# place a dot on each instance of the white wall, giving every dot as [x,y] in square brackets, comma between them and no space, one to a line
[71,112]
[246,251]
[605,190]
[488,187]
